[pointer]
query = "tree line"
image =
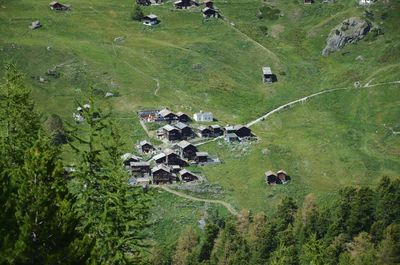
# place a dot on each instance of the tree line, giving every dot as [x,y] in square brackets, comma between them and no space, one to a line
[361,228]
[52,214]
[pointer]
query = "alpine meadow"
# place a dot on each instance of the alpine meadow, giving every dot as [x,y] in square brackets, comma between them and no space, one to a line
[200,132]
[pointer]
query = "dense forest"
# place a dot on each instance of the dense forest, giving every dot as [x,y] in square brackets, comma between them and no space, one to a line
[87,214]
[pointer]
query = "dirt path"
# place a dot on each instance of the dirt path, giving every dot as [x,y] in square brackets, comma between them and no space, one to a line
[157,86]
[304,99]
[144,128]
[228,206]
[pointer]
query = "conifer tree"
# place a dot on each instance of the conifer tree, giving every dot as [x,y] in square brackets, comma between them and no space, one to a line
[186,248]
[111,215]
[45,227]
[19,129]
[137,12]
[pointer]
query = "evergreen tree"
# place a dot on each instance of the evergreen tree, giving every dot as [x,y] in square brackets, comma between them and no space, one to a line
[362,250]
[111,215]
[313,252]
[55,128]
[186,249]
[211,231]
[389,248]
[19,129]
[45,227]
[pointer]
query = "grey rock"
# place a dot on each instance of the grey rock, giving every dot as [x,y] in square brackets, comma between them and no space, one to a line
[359,58]
[119,40]
[349,31]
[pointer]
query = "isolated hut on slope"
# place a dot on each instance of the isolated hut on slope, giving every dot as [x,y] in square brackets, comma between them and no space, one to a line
[59,7]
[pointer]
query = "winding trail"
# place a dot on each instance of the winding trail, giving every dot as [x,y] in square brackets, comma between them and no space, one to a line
[228,206]
[304,99]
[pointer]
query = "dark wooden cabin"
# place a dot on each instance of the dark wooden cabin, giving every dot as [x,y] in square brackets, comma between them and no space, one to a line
[210,12]
[167,115]
[184,129]
[145,147]
[187,150]
[171,133]
[205,131]
[271,178]
[208,3]
[184,4]
[162,174]
[140,167]
[188,176]
[182,117]
[216,130]
[201,157]
[59,7]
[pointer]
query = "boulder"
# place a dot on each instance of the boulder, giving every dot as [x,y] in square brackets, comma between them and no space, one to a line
[349,31]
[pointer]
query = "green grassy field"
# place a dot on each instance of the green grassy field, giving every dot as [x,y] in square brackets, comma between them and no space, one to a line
[338,139]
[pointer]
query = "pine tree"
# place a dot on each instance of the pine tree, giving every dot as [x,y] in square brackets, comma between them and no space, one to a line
[313,252]
[45,227]
[19,130]
[389,248]
[362,250]
[186,252]
[111,215]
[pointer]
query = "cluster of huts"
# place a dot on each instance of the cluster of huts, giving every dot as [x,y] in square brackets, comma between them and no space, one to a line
[280,177]
[209,11]
[166,166]
[54,5]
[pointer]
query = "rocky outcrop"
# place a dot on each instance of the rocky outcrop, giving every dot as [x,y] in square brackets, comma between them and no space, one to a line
[349,31]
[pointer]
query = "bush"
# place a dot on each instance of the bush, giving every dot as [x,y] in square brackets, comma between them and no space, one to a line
[137,12]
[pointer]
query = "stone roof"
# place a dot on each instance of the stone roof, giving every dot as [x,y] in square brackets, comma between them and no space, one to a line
[201,154]
[270,173]
[267,70]
[160,167]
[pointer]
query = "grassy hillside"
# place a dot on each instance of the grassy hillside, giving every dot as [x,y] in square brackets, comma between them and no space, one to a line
[333,140]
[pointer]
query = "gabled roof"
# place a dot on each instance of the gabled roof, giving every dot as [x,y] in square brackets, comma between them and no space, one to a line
[151,16]
[185,171]
[160,167]
[270,173]
[180,113]
[181,125]
[158,156]
[127,156]
[165,112]
[202,128]
[169,152]
[169,128]
[231,135]
[281,172]
[140,164]
[183,144]
[215,126]
[207,1]
[201,154]
[144,142]
[267,70]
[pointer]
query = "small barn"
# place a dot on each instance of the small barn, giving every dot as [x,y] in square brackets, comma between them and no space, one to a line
[208,3]
[167,115]
[173,158]
[162,174]
[184,4]
[59,7]
[187,150]
[171,133]
[35,25]
[128,158]
[201,157]
[188,176]
[283,177]
[159,158]
[308,2]
[231,138]
[271,178]
[203,116]
[140,167]
[242,131]
[204,131]
[216,130]
[182,117]
[145,147]
[150,20]
[268,77]
[210,12]
[184,130]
